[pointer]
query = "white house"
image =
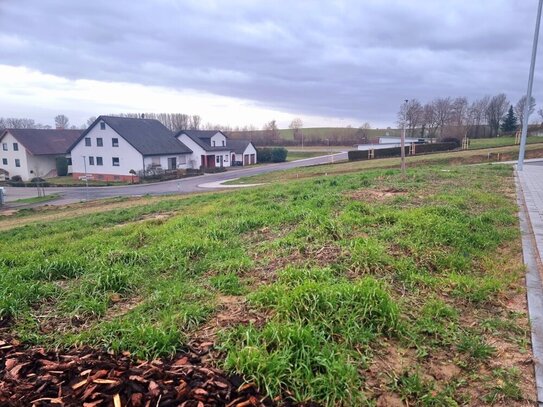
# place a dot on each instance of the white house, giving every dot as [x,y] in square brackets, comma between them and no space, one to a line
[209,148]
[31,153]
[113,147]
[243,152]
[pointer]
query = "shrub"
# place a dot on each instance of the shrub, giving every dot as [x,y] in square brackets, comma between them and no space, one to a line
[453,140]
[16,178]
[273,155]
[279,154]
[62,166]
[263,155]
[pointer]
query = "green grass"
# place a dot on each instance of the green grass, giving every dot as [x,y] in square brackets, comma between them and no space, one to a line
[36,199]
[501,141]
[70,181]
[300,155]
[338,275]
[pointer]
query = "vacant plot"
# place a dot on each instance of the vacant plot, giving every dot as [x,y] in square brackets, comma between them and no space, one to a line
[359,289]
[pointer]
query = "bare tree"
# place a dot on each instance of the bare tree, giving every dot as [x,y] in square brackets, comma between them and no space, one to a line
[90,121]
[430,123]
[519,108]
[496,109]
[18,123]
[296,124]
[271,130]
[443,111]
[477,115]
[195,122]
[61,121]
[411,115]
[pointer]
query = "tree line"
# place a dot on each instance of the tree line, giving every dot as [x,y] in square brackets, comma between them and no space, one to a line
[446,117]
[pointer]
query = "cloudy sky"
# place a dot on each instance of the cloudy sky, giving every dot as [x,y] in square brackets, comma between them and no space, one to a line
[238,62]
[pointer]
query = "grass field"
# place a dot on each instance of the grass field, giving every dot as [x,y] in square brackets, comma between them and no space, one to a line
[501,141]
[357,289]
[474,156]
[36,199]
[300,155]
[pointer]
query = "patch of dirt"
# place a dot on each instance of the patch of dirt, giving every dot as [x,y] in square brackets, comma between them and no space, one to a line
[155,218]
[375,194]
[231,311]
[51,322]
[33,376]
[265,272]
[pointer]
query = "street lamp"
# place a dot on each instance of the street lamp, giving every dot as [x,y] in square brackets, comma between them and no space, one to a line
[529,92]
[402,139]
[86,179]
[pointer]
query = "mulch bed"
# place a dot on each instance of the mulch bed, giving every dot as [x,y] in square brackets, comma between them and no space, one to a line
[87,377]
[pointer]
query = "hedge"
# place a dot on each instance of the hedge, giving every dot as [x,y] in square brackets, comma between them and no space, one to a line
[356,155]
[271,155]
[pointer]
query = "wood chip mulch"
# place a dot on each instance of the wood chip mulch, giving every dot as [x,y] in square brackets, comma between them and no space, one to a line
[87,377]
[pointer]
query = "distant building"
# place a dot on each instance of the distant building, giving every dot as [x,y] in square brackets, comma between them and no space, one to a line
[31,153]
[112,147]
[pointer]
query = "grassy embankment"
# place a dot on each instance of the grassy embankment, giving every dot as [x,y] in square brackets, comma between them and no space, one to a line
[466,157]
[36,199]
[349,289]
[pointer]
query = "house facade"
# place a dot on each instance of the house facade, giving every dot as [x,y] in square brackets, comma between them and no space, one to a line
[112,148]
[31,153]
[209,148]
[243,152]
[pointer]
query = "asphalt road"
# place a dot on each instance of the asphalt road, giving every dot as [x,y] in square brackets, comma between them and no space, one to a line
[181,186]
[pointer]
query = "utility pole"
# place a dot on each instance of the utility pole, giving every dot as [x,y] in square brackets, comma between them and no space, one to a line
[86,179]
[402,139]
[529,92]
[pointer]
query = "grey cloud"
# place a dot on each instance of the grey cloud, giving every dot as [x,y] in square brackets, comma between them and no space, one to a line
[347,59]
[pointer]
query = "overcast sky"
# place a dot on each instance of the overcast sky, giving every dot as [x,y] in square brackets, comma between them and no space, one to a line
[238,62]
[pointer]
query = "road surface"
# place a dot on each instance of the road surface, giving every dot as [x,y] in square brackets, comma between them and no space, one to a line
[179,186]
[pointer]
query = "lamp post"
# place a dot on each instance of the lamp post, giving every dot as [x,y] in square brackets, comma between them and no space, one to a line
[402,139]
[86,179]
[529,92]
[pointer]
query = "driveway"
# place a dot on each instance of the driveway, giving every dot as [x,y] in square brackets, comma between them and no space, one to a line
[180,186]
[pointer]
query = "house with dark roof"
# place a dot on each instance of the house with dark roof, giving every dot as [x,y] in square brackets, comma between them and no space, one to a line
[243,152]
[112,148]
[209,147]
[31,153]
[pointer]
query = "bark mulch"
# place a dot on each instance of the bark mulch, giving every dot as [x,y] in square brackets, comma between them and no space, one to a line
[88,377]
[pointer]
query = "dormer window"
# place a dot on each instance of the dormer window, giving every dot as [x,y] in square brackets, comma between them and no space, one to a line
[223,143]
[213,143]
[102,126]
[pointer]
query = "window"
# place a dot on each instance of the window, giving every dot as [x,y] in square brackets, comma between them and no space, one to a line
[17,162]
[15,147]
[218,159]
[87,142]
[102,126]
[99,161]
[114,142]
[223,143]
[115,161]
[213,143]
[69,160]
[5,146]
[100,142]
[5,161]
[226,158]
[91,160]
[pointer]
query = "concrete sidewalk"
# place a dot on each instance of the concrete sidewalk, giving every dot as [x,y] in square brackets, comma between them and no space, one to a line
[530,200]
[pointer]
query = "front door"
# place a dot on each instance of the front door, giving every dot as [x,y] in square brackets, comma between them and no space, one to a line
[172,163]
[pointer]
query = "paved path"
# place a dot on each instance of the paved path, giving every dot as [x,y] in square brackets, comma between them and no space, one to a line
[181,186]
[530,198]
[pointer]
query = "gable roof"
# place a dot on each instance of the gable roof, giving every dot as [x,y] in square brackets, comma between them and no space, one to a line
[238,146]
[203,138]
[148,136]
[44,141]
